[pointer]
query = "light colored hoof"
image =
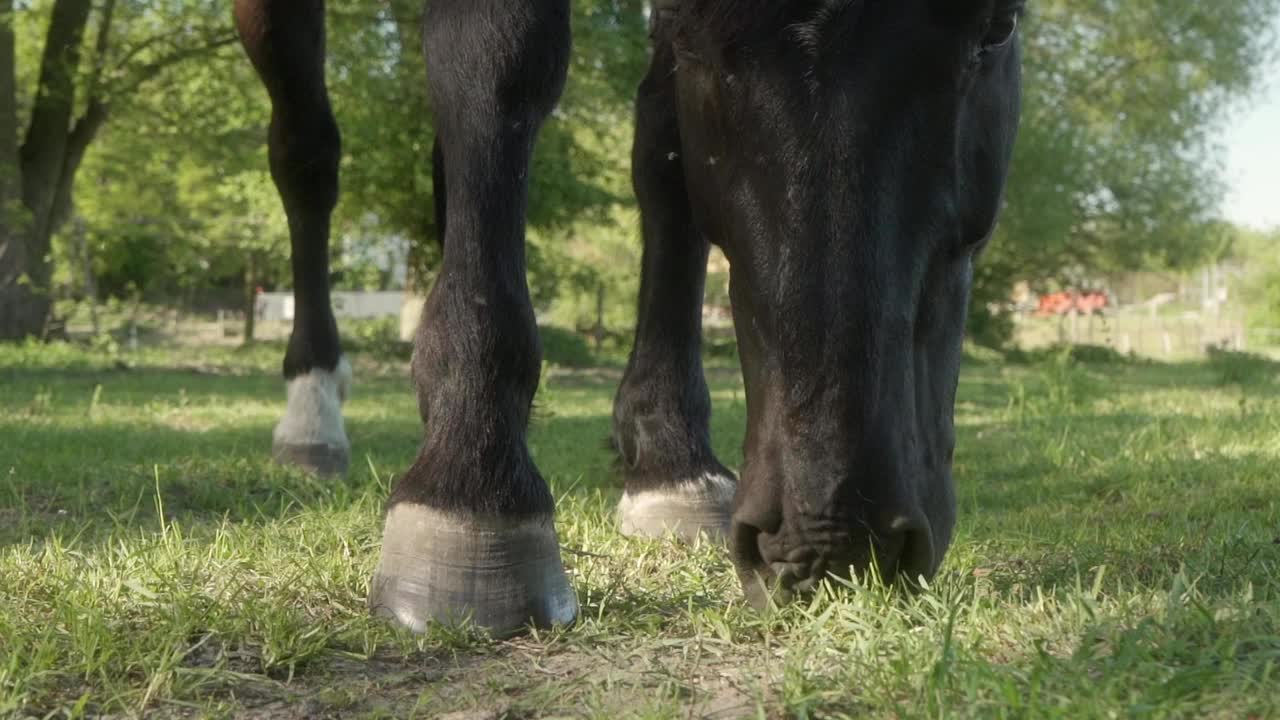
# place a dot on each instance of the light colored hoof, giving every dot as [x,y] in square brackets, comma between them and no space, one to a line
[442,568]
[311,435]
[689,511]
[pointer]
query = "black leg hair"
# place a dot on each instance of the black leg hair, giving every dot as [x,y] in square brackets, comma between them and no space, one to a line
[285,41]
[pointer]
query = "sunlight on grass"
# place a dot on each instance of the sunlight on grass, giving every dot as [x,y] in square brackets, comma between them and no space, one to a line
[1118,554]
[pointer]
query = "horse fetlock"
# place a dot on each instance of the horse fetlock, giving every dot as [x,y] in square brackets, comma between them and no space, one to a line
[312,435]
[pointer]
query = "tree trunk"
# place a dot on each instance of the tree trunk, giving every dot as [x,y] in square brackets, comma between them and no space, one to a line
[25,297]
[250,296]
[598,331]
[20,314]
[8,126]
[44,150]
[86,126]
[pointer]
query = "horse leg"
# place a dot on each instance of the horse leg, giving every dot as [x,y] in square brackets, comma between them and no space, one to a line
[662,410]
[285,41]
[469,531]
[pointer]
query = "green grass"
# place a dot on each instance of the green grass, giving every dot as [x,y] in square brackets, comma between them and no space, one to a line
[1118,555]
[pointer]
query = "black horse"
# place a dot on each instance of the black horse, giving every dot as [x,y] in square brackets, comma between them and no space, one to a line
[848,156]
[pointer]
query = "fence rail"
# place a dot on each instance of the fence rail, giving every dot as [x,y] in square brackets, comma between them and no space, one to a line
[1141,333]
[1128,331]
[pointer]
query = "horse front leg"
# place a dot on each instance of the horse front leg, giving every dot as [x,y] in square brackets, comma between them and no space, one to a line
[470,531]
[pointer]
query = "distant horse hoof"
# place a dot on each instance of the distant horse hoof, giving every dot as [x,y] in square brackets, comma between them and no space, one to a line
[503,576]
[689,511]
[317,459]
[311,435]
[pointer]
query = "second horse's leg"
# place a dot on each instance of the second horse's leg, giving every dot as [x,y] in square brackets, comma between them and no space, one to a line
[285,41]
[662,411]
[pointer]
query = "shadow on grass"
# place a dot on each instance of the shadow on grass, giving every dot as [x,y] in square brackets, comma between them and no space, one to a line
[76,386]
[53,477]
[1035,482]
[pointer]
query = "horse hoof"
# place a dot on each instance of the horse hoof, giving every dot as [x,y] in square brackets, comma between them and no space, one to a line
[688,511]
[316,458]
[311,435]
[499,575]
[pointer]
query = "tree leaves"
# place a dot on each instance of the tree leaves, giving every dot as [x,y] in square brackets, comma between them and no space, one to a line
[1117,167]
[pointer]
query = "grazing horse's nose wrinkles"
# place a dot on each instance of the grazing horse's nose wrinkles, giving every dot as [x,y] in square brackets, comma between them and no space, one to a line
[791,557]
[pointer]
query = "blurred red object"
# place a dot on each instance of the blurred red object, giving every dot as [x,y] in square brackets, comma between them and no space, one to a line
[1065,303]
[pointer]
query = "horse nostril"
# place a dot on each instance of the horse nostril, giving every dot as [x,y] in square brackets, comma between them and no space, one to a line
[914,543]
[789,574]
[754,573]
[744,545]
[797,577]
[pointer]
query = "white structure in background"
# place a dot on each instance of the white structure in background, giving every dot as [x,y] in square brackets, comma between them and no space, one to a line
[278,306]
[1215,285]
[359,248]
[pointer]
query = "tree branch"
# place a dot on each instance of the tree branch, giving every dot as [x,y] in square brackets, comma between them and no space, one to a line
[149,71]
[132,52]
[85,129]
[100,47]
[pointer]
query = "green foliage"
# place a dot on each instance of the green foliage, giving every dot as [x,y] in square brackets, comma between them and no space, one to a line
[378,87]
[158,231]
[1064,383]
[1259,252]
[1082,354]
[1241,368]
[1096,355]
[1064,379]
[1115,169]
[720,347]
[1117,166]
[1267,310]
[565,348]
[983,327]
[379,337]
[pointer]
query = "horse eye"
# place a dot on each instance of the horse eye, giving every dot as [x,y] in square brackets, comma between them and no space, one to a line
[999,32]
